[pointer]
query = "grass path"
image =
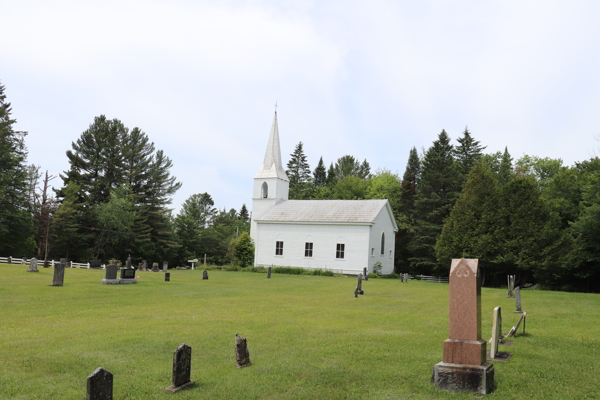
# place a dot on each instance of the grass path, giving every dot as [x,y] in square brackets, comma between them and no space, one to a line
[308,337]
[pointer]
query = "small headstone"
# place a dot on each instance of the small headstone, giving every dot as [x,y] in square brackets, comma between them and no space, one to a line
[518,299]
[33,265]
[242,356]
[9,260]
[205,274]
[511,286]
[24,261]
[365,275]
[95,264]
[155,267]
[58,278]
[167,276]
[358,289]
[128,262]
[269,271]
[514,329]
[145,266]
[165,266]
[494,354]
[182,369]
[100,385]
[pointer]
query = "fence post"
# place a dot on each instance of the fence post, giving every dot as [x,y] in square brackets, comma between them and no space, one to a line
[52,263]
[88,265]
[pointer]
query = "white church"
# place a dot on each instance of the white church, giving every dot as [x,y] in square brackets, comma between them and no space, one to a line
[344,236]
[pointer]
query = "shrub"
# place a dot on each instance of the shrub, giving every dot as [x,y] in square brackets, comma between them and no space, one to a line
[244,250]
[377,267]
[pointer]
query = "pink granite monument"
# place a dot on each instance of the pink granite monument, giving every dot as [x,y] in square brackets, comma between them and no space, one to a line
[464,367]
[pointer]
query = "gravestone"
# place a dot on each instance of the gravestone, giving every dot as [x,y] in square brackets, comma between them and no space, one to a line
[518,299]
[95,264]
[145,265]
[24,261]
[110,274]
[358,289]
[365,275]
[128,262]
[167,276]
[511,286]
[269,271]
[182,369]
[58,277]
[9,260]
[495,341]
[205,274]
[100,385]
[242,356]
[514,329]
[464,367]
[165,266]
[33,265]
[155,267]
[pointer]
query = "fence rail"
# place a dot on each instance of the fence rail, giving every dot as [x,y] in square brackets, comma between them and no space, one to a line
[426,278]
[26,261]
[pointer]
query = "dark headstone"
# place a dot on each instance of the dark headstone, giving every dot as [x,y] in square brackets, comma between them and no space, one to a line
[154,267]
[9,260]
[182,369]
[269,271]
[518,299]
[365,274]
[128,262]
[58,278]
[33,265]
[127,273]
[110,272]
[205,274]
[167,276]
[100,385]
[358,289]
[242,356]
[165,266]
[95,264]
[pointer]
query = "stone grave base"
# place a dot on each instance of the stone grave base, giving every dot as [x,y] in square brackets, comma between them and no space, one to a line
[501,356]
[33,270]
[118,281]
[464,378]
[175,389]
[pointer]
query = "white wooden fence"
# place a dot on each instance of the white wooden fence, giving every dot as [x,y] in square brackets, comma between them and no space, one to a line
[70,264]
[437,279]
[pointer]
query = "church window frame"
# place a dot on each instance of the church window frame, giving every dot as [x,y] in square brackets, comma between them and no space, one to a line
[279,248]
[340,250]
[372,251]
[382,244]
[308,249]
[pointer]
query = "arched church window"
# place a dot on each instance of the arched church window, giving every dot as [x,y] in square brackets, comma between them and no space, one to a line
[264,191]
[382,243]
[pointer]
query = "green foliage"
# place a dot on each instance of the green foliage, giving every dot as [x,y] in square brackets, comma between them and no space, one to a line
[299,174]
[350,188]
[377,267]
[244,250]
[467,154]
[320,174]
[301,271]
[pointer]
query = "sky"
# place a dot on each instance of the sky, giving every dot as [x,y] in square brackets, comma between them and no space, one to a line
[369,79]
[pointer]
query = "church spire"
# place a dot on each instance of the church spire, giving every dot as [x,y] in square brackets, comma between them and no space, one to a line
[272,166]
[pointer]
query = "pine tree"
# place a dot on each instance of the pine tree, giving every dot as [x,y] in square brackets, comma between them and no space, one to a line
[298,170]
[505,172]
[244,213]
[405,216]
[320,174]
[438,189]
[16,225]
[467,153]
[331,177]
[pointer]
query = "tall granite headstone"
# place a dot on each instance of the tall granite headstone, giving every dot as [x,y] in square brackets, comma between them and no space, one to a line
[242,355]
[182,369]
[58,277]
[269,271]
[464,367]
[100,385]
[33,265]
[511,286]
[518,299]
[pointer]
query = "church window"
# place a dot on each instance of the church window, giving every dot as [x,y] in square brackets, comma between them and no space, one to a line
[264,190]
[308,249]
[339,251]
[278,248]
[382,243]
[390,254]
[372,251]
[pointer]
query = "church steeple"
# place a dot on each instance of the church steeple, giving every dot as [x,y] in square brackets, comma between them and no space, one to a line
[272,167]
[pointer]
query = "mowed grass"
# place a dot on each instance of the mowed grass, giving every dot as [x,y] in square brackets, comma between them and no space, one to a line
[308,337]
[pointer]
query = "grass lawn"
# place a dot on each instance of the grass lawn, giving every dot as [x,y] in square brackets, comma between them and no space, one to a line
[308,337]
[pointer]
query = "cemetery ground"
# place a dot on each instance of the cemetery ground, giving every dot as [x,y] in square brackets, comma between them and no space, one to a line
[308,337]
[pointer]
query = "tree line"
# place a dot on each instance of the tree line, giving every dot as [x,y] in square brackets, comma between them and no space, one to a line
[533,217]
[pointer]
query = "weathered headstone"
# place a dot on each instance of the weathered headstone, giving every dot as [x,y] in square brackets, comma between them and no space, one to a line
[269,271]
[242,356]
[494,353]
[514,329]
[128,262]
[182,369]
[145,265]
[511,286]
[24,261]
[518,299]
[204,274]
[167,276]
[58,277]
[358,289]
[165,266]
[365,275]
[205,259]
[155,267]
[100,385]
[33,265]
[464,367]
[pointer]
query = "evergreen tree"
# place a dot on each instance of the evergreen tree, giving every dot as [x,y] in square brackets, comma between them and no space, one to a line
[348,166]
[405,215]
[364,170]
[16,225]
[298,170]
[438,189]
[320,174]
[244,216]
[467,154]
[331,178]
[505,172]
[244,250]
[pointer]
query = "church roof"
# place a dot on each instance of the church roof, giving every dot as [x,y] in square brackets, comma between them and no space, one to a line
[272,167]
[325,211]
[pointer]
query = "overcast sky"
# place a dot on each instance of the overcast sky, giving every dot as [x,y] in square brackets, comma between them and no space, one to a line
[370,79]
